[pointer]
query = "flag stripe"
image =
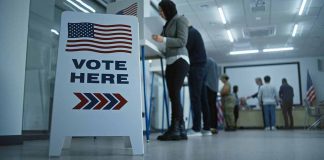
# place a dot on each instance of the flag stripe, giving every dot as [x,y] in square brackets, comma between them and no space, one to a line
[98,51]
[114,25]
[114,38]
[110,30]
[99,42]
[310,93]
[96,46]
[112,34]
[130,10]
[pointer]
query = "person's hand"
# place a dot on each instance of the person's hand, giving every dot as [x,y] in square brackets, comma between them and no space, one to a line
[157,38]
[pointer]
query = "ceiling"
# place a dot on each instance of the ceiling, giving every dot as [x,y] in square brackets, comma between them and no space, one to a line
[257,24]
[254,24]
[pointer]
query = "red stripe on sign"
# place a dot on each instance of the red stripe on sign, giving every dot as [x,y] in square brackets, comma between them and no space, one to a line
[122,101]
[83,101]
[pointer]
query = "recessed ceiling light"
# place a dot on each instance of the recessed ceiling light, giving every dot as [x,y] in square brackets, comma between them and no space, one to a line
[86,5]
[220,10]
[55,31]
[77,6]
[244,52]
[302,7]
[278,49]
[294,30]
[230,36]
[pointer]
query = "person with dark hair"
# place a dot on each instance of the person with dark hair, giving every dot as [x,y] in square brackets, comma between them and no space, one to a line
[237,104]
[286,94]
[197,89]
[174,37]
[228,103]
[269,97]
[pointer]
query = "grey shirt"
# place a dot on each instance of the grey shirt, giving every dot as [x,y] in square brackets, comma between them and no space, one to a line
[212,75]
[176,33]
[268,95]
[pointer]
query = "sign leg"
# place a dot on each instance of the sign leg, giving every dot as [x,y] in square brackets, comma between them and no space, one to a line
[56,145]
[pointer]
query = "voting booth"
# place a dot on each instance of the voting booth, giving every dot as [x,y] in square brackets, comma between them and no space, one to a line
[148,24]
[97,85]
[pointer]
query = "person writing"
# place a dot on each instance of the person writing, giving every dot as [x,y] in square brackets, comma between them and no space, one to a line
[197,89]
[174,36]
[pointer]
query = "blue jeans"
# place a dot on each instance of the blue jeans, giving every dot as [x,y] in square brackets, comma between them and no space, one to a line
[269,115]
[198,97]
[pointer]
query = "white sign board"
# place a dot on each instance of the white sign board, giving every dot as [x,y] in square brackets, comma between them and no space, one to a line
[97,86]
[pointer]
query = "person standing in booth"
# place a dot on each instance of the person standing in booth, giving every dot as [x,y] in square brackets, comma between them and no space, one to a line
[174,36]
[211,84]
[196,79]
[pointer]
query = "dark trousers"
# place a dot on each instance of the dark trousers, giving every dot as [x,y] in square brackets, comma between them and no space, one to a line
[175,74]
[286,108]
[263,119]
[212,97]
[236,113]
[198,99]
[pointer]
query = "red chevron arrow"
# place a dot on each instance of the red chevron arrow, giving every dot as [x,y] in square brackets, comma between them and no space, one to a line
[102,99]
[122,101]
[83,101]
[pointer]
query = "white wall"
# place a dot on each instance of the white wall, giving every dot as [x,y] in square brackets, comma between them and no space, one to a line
[14,16]
[309,63]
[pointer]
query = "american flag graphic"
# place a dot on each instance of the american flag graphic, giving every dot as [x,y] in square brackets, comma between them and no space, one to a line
[130,10]
[220,116]
[99,38]
[310,94]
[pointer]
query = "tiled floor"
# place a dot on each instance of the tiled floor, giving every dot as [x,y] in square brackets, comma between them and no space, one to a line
[242,144]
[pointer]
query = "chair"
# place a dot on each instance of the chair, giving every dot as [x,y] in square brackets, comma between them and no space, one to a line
[313,112]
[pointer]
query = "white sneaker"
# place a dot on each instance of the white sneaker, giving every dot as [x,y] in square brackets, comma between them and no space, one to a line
[267,128]
[192,133]
[273,128]
[206,132]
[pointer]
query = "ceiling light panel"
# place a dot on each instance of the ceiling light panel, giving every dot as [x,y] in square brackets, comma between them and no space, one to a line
[86,6]
[77,6]
[278,49]
[243,52]
[302,7]
[221,12]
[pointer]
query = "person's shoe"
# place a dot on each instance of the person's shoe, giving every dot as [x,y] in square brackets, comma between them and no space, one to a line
[182,129]
[192,133]
[267,128]
[206,132]
[230,129]
[213,130]
[173,132]
[273,128]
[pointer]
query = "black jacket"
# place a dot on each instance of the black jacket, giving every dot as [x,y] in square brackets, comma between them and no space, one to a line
[196,47]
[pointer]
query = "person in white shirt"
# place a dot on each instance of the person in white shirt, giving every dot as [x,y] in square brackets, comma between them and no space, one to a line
[269,98]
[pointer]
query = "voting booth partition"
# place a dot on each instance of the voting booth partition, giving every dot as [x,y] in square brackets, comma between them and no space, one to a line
[148,25]
[97,85]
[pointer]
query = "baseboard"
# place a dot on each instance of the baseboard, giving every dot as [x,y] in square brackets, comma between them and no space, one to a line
[11,140]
